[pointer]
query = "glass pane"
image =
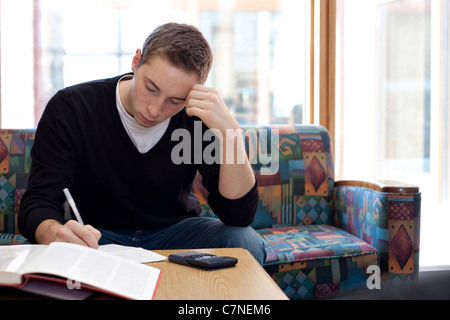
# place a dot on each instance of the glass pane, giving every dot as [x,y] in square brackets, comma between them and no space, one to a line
[383,90]
[388,92]
[99,66]
[403,92]
[260,49]
[446,102]
[267,79]
[97,34]
[356,113]
[16,68]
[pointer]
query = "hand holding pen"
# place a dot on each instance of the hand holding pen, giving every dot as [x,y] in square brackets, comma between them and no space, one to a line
[76,231]
[72,231]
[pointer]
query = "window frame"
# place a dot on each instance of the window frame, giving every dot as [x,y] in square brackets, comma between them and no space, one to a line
[327,75]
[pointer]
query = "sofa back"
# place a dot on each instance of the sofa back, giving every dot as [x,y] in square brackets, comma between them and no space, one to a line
[293,166]
[295,173]
[15,161]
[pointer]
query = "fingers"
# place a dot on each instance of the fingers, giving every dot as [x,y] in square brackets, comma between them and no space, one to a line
[97,234]
[197,105]
[199,112]
[202,97]
[73,232]
[206,104]
[199,99]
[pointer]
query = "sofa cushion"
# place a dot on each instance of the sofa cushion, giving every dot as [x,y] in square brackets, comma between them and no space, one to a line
[301,243]
[10,238]
[316,261]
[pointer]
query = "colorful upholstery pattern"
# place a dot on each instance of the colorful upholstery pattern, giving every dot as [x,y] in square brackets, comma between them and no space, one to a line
[317,261]
[297,202]
[320,239]
[323,278]
[9,239]
[388,221]
[300,190]
[15,146]
[303,243]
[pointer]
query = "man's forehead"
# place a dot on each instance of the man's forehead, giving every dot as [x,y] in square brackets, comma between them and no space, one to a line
[168,79]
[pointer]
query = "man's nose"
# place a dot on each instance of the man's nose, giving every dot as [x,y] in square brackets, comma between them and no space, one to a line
[155,108]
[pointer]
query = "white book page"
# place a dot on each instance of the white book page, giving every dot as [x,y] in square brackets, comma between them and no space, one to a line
[93,267]
[12,258]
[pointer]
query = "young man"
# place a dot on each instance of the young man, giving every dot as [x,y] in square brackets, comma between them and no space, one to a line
[111,143]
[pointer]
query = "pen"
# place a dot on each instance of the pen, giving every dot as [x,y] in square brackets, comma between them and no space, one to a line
[73,206]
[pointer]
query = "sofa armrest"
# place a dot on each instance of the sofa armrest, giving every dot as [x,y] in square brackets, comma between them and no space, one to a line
[381,186]
[385,214]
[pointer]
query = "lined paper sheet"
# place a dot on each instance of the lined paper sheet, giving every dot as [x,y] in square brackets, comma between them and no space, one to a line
[132,253]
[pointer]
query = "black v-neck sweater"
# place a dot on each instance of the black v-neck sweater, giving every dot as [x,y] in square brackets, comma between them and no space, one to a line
[81,143]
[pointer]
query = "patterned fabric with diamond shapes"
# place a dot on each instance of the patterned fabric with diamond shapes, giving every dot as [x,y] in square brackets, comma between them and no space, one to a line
[366,227]
[298,203]
[388,221]
[327,260]
[15,160]
[300,191]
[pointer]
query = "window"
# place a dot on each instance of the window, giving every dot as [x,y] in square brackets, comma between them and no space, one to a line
[403,87]
[392,114]
[261,51]
[446,101]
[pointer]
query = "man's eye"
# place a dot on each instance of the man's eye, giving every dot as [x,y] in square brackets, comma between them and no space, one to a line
[151,90]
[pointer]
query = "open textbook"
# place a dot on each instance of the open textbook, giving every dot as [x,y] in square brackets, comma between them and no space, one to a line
[77,269]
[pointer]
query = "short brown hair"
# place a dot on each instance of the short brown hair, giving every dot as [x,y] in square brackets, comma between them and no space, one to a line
[184,46]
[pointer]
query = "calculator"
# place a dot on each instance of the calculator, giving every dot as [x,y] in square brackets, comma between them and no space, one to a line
[202,260]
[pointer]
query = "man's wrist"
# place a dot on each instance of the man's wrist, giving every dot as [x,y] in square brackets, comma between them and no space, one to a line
[46,231]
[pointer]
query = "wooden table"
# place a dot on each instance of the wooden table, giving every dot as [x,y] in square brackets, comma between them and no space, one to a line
[247,281]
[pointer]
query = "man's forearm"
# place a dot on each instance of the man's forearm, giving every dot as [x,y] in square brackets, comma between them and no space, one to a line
[236,174]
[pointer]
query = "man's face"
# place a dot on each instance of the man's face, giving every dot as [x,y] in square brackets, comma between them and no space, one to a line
[158,90]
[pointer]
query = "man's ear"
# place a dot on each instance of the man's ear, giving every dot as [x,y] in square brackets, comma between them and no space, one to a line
[137,57]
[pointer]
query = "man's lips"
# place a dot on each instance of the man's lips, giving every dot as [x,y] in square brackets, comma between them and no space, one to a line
[145,120]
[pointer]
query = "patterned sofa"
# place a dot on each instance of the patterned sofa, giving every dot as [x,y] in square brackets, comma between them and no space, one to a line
[15,161]
[320,235]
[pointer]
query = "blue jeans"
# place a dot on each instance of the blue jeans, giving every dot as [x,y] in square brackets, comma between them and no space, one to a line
[192,233]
